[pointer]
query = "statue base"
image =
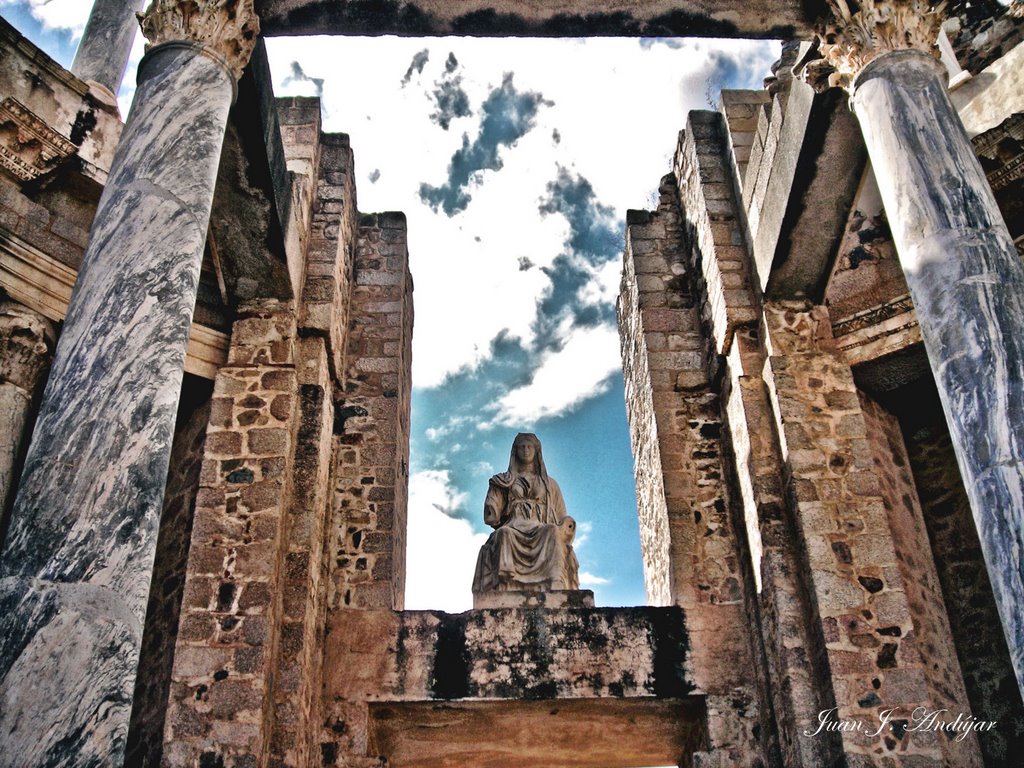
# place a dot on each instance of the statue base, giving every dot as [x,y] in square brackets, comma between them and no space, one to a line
[556,598]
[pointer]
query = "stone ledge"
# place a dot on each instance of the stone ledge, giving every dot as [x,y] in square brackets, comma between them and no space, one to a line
[556,598]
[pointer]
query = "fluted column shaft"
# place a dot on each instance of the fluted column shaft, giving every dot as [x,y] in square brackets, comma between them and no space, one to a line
[967,282]
[106,43]
[76,565]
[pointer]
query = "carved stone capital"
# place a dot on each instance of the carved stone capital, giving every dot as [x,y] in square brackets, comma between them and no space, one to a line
[228,27]
[26,345]
[858,32]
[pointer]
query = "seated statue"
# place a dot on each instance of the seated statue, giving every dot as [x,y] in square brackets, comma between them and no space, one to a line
[531,547]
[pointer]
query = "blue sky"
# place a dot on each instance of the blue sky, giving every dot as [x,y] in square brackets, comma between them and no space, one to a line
[515,162]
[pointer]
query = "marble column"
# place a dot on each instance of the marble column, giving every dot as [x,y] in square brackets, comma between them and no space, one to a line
[26,344]
[965,276]
[103,52]
[76,565]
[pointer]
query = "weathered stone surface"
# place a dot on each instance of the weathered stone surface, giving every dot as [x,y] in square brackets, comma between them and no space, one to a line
[564,18]
[85,540]
[583,733]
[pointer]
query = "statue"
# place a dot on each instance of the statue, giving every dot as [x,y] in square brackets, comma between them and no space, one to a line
[531,547]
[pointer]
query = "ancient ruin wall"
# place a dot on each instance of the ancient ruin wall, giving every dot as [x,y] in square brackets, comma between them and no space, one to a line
[367,537]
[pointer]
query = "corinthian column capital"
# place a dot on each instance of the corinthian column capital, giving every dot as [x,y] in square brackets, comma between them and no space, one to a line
[228,27]
[857,32]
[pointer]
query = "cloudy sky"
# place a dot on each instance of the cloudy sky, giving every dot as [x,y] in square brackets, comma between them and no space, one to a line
[515,162]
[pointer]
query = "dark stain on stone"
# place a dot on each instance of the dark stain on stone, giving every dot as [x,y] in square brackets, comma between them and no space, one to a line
[842,552]
[220,674]
[85,121]
[328,753]
[225,596]
[211,760]
[241,476]
[450,676]
[670,643]
[871,584]
[887,656]
[890,631]
[870,700]
[343,413]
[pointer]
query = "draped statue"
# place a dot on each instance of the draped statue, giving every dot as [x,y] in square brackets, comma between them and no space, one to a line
[531,547]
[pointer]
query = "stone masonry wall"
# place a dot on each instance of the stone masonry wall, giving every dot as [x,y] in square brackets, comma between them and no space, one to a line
[220,710]
[920,581]
[665,346]
[857,592]
[152,684]
[367,537]
[976,629]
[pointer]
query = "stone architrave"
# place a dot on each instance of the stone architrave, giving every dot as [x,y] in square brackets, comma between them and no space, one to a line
[530,550]
[965,276]
[106,44]
[76,565]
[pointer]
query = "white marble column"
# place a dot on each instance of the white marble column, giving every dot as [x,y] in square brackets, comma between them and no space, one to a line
[26,345]
[76,564]
[106,43]
[965,277]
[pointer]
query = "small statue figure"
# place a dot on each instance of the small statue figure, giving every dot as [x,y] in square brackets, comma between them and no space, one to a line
[531,547]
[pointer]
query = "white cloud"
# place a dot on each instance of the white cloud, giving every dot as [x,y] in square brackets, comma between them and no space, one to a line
[441,550]
[564,379]
[58,14]
[588,579]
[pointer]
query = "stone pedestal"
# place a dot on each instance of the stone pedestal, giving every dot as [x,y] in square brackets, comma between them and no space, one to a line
[26,344]
[103,52]
[76,565]
[967,283]
[556,598]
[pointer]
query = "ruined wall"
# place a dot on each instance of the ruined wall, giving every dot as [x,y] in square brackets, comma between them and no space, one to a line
[675,420]
[367,537]
[931,627]
[152,684]
[231,615]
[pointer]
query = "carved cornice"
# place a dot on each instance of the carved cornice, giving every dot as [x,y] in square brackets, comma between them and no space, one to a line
[28,146]
[858,32]
[228,27]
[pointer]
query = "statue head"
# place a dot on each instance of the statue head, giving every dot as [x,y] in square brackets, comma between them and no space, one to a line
[526,455]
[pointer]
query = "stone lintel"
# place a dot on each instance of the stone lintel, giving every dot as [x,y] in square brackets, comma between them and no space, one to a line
[253,193]
[556,598]
[558,18]
[538,734]
[535,653]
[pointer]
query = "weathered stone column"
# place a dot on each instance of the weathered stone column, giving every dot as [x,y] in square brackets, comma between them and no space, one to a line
[26,342]
[76,565]
[966,279]
[103,52]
